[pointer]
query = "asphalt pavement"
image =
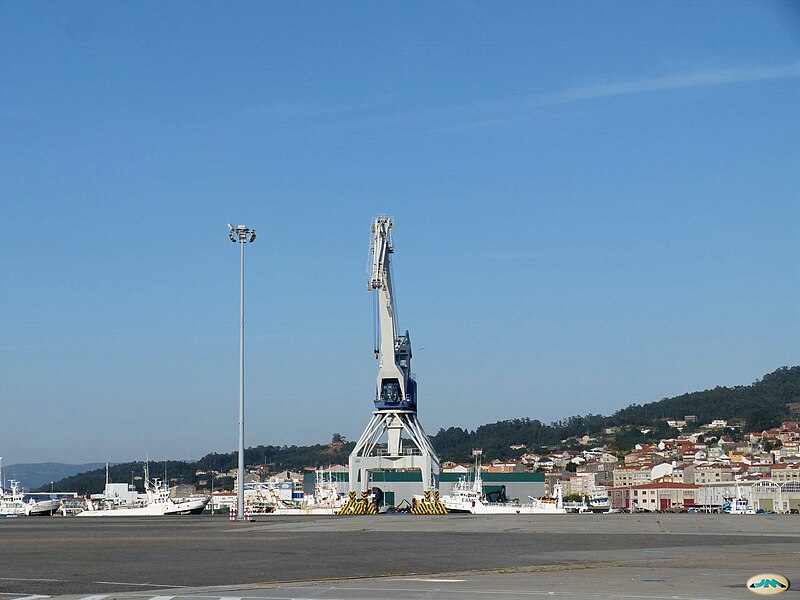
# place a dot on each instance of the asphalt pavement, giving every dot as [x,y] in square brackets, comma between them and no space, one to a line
[398,556]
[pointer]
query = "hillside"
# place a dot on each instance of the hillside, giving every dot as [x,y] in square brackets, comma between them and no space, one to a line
[276,458]
[758,406]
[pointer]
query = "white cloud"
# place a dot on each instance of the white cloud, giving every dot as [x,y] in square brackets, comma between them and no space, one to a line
[507,111]
[676,81]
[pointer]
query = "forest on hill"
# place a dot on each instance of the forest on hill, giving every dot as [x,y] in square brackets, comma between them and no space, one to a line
[761,405]
[274,458]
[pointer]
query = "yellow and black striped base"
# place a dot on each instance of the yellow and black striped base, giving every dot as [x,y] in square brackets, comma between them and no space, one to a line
[362,506]
[428,505]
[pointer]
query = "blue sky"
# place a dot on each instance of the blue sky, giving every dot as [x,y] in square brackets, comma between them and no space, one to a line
[595,204]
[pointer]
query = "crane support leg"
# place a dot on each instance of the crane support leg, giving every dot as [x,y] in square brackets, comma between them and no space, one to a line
[414,452]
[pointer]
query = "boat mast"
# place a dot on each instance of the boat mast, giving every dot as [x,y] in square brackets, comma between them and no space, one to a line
[478,485]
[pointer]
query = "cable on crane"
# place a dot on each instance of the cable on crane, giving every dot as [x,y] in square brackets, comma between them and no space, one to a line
[375,326]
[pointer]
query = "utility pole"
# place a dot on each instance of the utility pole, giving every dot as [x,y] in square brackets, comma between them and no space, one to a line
[242,235]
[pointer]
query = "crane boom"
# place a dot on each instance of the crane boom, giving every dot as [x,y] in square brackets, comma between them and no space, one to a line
[396,388]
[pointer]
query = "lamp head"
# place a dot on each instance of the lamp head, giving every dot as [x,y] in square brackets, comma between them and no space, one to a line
[241,233]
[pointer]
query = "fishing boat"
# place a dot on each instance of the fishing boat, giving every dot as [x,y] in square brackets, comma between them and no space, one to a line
[326,499]
[738,505]
[156,501]
[13,504]
[598,500]
[469,497]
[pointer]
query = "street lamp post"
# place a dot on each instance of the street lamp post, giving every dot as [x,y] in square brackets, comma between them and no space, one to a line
[242,235]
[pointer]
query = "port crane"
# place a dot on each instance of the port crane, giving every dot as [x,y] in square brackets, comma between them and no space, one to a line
[394,438]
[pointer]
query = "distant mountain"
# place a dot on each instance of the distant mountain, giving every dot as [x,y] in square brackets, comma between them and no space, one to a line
[37,475]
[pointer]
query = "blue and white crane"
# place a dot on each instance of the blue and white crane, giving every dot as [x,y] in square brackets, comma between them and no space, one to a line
[394,438]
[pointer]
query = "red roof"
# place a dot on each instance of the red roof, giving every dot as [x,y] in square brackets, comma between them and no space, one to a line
[634,467]
[781,466]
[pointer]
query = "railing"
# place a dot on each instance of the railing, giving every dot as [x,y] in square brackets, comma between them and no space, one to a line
[403,452]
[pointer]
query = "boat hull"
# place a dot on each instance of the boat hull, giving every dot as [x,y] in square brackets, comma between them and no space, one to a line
[515,509]
[465,503]
[311,510]
[43,508]
[187,507]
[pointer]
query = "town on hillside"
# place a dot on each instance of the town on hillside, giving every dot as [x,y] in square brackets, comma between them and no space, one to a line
[701,470]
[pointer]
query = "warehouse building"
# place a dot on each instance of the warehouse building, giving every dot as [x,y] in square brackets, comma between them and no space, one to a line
[397,488]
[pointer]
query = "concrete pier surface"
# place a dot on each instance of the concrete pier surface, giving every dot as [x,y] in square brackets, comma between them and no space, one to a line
[648,556]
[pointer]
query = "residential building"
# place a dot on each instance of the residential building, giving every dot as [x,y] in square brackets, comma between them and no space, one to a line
[654,496]
[451,467]
[630,475]
[712,473]
[506,466]
[784,472]
[182,490]
[581,483]
[603,471]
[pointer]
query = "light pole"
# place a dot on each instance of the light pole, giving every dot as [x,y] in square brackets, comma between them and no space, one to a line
[242,235]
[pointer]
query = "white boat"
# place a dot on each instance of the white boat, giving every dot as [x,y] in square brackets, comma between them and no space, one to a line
[156,501]
[326,499]
[598,500]
[42,508]
[12,503]
[738,505]
[469,497]
[578,507]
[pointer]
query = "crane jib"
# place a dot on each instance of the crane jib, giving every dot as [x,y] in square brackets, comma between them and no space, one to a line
[395,386]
